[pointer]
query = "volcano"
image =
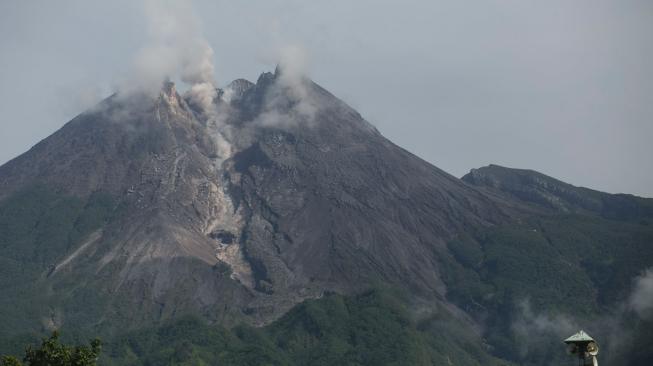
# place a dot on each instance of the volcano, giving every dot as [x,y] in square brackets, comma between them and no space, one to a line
[150,207]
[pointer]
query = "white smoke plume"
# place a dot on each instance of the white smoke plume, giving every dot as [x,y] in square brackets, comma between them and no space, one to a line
[534,329]
[641,299]
[293,62]
[292,83]
[530,322]
[203,95]
[175,48]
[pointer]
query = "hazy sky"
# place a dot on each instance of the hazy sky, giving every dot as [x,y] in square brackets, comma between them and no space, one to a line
[564,87]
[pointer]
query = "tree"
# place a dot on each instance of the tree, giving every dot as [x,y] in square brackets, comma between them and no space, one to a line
[9,361]
[54,353]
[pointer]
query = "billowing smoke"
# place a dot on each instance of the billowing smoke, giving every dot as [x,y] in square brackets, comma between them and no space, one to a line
[292,86]
[175,48]
[203,95]
[293,64]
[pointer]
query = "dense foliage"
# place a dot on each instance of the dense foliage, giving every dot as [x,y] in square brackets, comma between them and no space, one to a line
[576,266]
[54,353]
[37,228]
[373,328]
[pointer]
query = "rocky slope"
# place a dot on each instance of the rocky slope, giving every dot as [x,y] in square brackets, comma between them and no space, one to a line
[275,194]
[236,208]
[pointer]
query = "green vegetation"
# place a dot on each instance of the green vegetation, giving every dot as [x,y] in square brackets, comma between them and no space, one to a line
[577,265]
[38,226]
[53,353]
[374,328]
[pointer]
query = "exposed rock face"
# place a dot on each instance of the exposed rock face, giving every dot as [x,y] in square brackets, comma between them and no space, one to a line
[242,203]
[276,193]
[236,90]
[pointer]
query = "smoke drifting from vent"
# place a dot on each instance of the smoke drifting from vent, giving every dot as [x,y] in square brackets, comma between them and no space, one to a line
[175,49]
[293,64]
[292,88]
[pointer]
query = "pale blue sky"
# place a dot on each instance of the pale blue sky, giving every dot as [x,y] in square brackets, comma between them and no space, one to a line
[564,87]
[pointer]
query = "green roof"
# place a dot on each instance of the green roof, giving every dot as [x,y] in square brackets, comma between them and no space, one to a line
[581,336]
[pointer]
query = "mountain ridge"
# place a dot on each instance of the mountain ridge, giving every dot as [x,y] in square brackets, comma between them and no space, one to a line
[534,187]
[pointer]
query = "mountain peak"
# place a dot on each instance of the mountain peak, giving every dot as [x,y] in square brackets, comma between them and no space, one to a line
[236,89]
[168,87]
[287,212]
[170,96]
[152,207]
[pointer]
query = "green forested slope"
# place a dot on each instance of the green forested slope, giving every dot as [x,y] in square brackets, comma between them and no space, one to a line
[578,266]
[374,328]
[568,266]
[38,227]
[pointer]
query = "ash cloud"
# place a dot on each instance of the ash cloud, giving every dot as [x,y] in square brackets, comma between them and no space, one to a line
[203,95]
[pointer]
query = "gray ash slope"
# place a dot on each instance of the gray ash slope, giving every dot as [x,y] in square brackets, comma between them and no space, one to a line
[275,193]
[309,198]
